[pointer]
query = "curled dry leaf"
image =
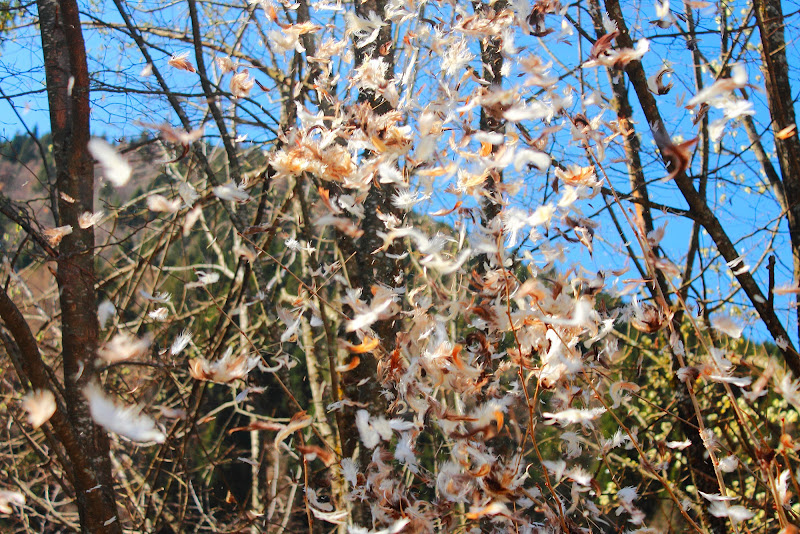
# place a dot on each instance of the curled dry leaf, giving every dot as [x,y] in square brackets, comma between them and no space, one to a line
[246,253]
[231,192]
[174,135]
[299,421]
[576,175]
[603,44]
[676,156]
[616,58]
[89,219]
[126,421]
[665,266]
[726,325]
[332,162]
[491,509]
[115,168]
[225,370]
[648,318]
[444,211]
[160,203]
[313,452]
[40,405]
[536,18]
[787,132]
[241,84]
[123,346]
[367,345]
[342,224]
[656,82]
[257,425]
[349,366]
[55,235]
[9,498]
[225,64]
[181,62]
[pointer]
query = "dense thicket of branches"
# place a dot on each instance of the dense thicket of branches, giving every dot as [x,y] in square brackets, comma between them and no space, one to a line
[398,266]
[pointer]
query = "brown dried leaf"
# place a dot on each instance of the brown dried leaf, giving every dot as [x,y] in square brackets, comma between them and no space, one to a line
[787,132]
[179,61]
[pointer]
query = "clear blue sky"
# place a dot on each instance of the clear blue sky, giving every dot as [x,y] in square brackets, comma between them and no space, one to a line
[734,189]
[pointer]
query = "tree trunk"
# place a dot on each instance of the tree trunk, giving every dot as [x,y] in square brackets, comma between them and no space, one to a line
[67,77]
[769,16]
[366,269]
[492,60]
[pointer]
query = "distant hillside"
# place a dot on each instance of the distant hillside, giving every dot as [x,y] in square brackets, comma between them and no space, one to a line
[23,176]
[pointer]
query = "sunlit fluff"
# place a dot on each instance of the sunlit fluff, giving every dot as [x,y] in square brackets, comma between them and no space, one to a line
[126,421]
[225,370]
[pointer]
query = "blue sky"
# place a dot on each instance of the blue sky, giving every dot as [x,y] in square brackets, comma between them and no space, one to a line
[736,191]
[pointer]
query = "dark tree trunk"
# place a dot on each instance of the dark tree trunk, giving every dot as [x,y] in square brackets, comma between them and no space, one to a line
[769,16]
[366,269]
[67,77]
[492,60]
